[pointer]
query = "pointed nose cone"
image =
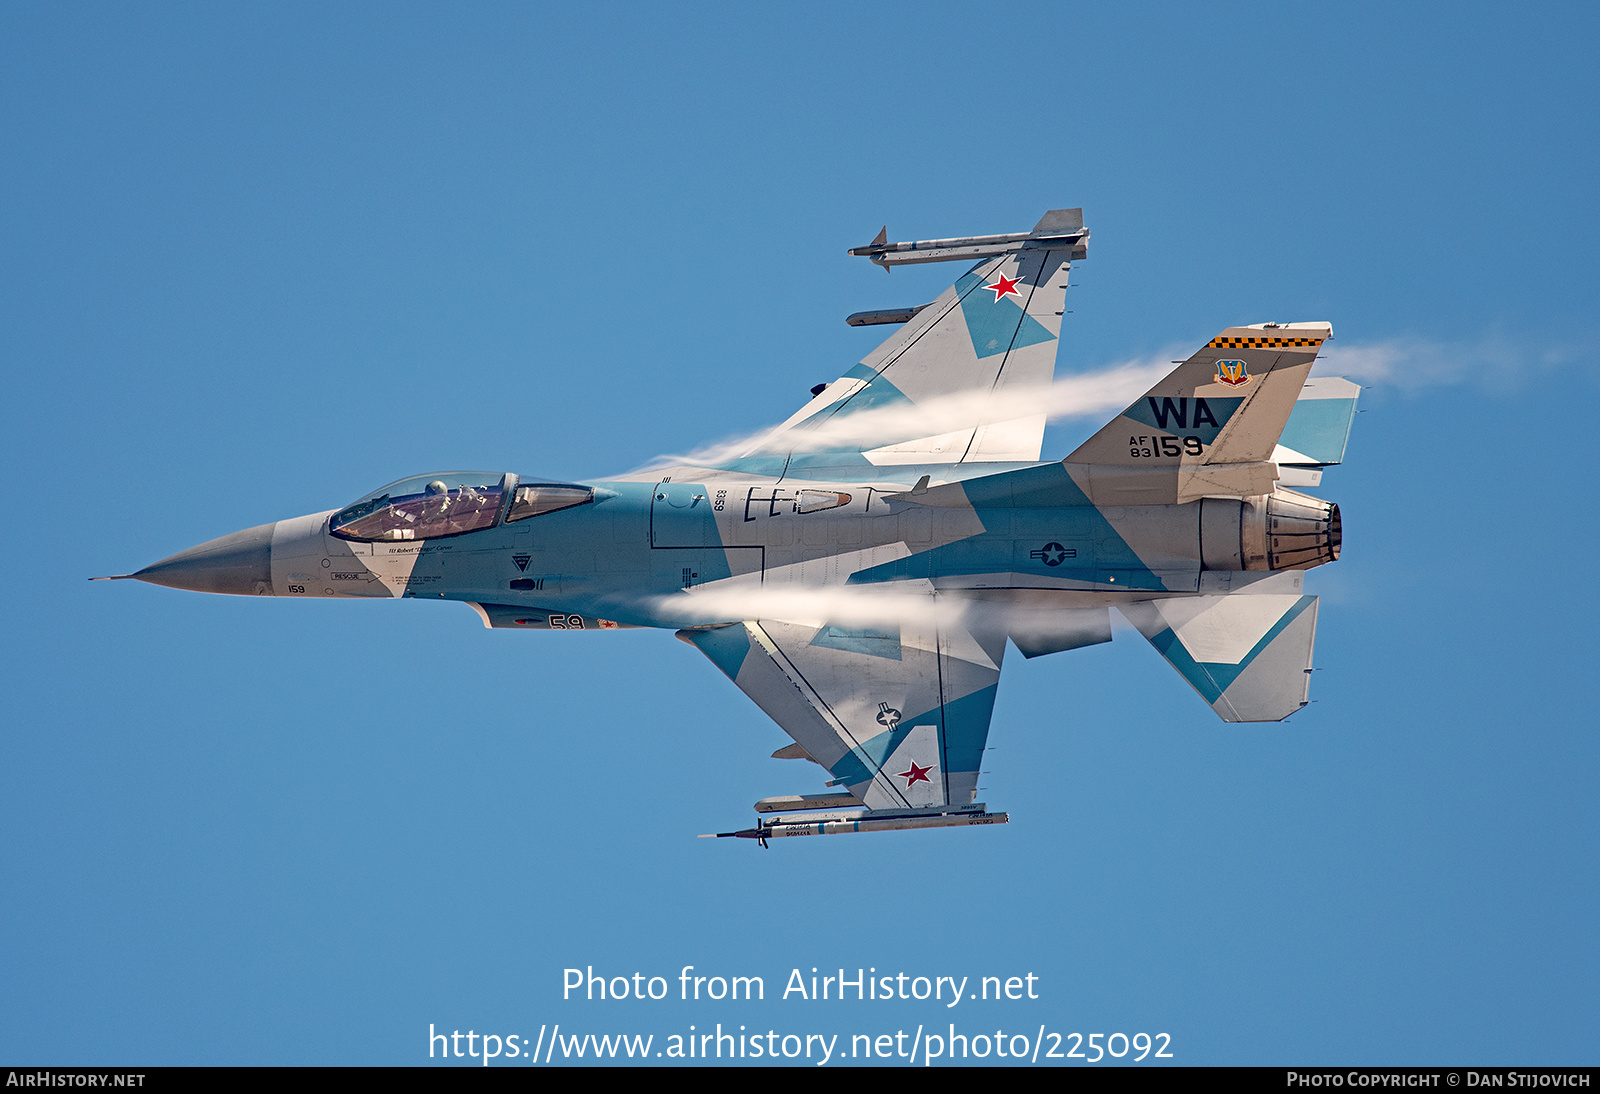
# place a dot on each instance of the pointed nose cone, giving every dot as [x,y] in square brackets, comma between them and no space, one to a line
[240,564]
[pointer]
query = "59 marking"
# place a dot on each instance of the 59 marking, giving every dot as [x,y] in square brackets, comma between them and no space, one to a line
[1162,445]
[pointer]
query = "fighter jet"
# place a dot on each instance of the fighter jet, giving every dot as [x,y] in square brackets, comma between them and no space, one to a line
[859,570]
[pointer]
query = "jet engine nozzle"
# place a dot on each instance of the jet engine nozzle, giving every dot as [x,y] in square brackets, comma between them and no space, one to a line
[1288,530]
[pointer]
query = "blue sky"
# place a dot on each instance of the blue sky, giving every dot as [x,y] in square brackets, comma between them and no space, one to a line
[256,262]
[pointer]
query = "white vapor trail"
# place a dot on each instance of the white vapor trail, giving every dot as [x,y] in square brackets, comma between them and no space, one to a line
[914,610]
[1101,392]
[1405,363]
[1414,363]
[850,605]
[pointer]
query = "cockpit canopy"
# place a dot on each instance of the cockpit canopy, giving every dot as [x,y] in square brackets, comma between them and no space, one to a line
[452,503]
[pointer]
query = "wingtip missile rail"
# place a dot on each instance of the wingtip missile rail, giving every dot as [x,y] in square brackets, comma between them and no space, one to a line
[860,820]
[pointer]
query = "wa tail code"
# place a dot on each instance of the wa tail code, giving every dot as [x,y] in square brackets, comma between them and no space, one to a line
[1177,410]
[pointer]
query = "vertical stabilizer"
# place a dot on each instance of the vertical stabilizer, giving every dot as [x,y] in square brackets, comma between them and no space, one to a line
[1210,427]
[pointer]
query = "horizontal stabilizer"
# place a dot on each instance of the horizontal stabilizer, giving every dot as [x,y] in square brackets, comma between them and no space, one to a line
[1248,654]
[1319,425]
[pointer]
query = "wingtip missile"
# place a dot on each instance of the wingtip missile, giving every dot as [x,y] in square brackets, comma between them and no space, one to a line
[834,824]
[1057,229]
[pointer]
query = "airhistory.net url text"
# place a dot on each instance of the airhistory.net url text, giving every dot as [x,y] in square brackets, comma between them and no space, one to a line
[915,1047]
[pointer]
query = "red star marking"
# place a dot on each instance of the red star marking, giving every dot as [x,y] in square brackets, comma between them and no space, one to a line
[916,775]
[1005,286]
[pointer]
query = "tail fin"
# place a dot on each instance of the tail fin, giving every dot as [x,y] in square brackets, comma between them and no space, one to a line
[1211,424]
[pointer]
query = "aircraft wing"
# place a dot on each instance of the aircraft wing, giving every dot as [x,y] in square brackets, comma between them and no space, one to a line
[951,386]
[898,713]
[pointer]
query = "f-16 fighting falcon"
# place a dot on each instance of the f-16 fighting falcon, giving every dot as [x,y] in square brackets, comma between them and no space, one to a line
[858,570]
